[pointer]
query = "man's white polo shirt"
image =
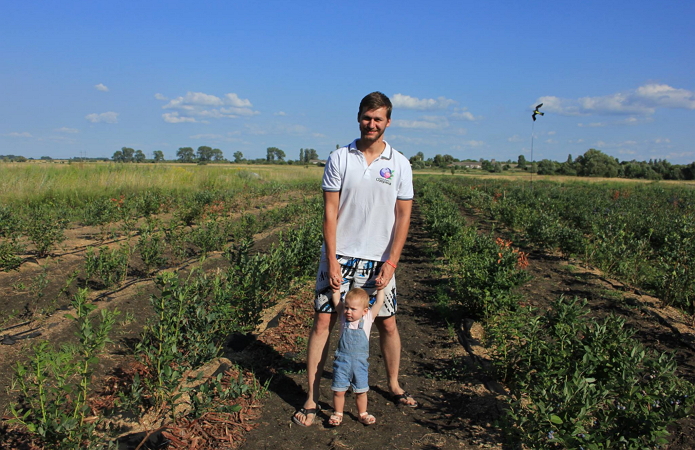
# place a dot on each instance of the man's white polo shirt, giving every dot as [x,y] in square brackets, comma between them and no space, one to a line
[368,194]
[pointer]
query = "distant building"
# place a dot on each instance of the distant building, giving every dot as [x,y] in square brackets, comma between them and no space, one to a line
[467,164]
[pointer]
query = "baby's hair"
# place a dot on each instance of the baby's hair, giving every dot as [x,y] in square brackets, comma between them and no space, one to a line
[358,293]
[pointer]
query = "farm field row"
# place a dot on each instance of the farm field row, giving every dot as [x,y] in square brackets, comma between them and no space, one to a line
[575,378]
[174,272]
[192,265]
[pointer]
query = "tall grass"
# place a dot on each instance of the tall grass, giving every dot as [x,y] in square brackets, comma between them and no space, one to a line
[74,184]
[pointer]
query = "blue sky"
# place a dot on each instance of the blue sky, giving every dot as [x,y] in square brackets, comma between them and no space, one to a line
[89,77]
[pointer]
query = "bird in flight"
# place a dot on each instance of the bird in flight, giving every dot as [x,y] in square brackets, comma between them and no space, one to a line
[535,112]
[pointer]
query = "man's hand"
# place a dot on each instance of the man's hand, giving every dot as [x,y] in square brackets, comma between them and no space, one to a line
[335,275]
[385,275]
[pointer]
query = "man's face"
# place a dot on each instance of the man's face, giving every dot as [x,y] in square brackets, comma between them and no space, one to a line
[373,123]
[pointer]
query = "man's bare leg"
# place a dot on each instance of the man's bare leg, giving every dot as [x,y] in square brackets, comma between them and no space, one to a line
[390,343]
[317,351]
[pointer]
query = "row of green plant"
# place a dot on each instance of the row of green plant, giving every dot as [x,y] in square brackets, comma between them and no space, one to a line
[642,234]
[481,270]
[584,383]
[194,313]
[574,381]
[43,224]
[159,244]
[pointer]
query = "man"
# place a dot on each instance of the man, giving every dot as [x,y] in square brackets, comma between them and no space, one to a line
[368,193]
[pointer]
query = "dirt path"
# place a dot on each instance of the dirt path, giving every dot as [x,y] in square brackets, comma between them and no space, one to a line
[456,410]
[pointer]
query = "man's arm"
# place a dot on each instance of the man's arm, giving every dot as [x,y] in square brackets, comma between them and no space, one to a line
[331,203]
[403,210]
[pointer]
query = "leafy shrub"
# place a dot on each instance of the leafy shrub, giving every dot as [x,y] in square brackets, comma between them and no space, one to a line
[580,383]
[55,383]
[150,246]
[9,254]
[98,212]
[45,227]
[109,266]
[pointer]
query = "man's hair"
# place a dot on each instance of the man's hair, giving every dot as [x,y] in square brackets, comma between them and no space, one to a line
[375,100]
[358,294]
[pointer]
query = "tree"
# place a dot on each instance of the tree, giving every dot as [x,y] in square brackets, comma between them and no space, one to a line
[238,157]
[204,153]
[185,154]
[217,154]
[270,154]
[279,154]
[118,156]
[301,155]
[158,156]
[521,162]
[139,156]
[128,154]
[547,167]
[309,154]
[595,163]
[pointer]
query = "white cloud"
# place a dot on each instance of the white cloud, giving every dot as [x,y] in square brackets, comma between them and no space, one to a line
[24,134]
[281,113]
[665,96]
[516,138]
[473,143]
[67,130]
[422,124]
[159,96]
[107,117]
[463,114]
[408,102]
[592,125]
[101,87]
[234,100]
[199,104]
[175,118]
[641,101]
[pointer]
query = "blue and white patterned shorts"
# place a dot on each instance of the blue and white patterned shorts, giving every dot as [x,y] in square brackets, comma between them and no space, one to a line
[356,272]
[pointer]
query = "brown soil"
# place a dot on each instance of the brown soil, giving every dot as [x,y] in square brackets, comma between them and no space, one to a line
[460,404]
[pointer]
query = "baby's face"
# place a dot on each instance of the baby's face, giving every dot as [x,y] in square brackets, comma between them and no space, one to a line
[354,309]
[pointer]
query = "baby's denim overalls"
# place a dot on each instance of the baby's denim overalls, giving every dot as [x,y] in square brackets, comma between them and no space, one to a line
[351,365]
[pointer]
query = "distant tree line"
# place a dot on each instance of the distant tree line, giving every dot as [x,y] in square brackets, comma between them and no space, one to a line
[593,163]
[206,154]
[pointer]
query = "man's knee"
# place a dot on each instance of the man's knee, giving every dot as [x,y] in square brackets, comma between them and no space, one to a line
[323,322]
[387,326]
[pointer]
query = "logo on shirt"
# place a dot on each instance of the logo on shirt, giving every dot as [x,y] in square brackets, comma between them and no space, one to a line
[386,175]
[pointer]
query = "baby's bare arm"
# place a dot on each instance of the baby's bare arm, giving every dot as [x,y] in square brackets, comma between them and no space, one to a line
[376,307]
[335,300]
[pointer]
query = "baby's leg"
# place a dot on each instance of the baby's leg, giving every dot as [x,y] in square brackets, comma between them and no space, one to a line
[361,400]
[338,406]
[339,401]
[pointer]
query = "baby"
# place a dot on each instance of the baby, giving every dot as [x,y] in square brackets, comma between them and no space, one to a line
[350,366]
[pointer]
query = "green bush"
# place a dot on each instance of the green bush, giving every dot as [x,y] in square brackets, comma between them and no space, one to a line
[45,227]
[108,266]
[582,383]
